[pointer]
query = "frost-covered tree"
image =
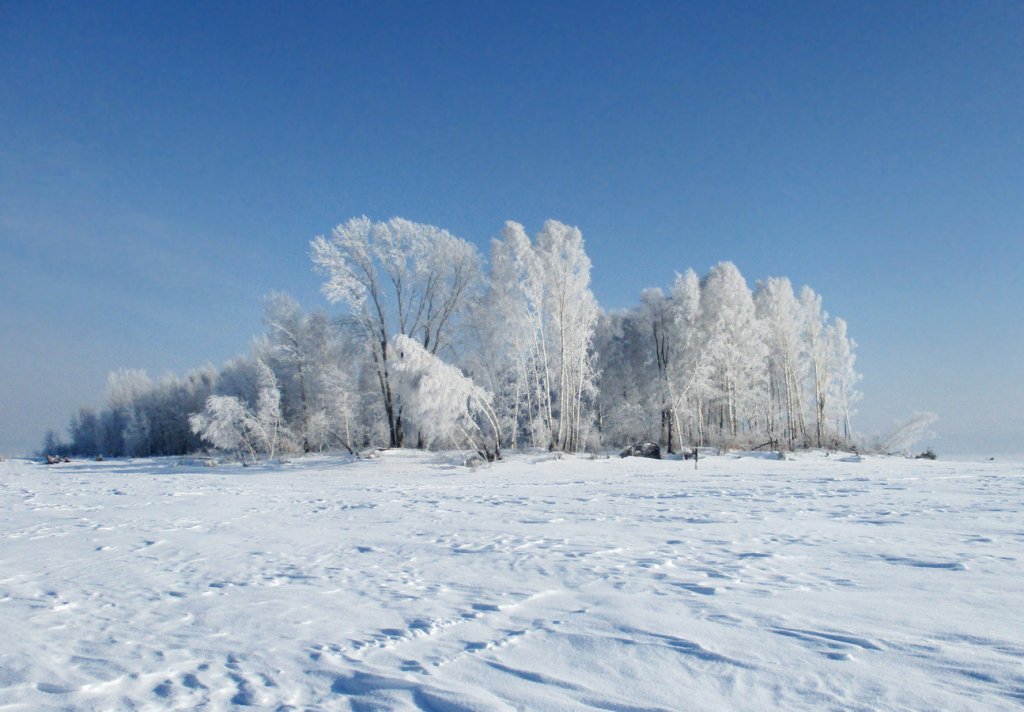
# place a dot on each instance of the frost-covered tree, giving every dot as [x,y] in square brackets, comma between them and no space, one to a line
[518,350]
[843,378]
[780,312]
[334,417]
[448,405]
[397,277]
[690,364]
[817,359]
[229,424]
[627,404]
[735,346]
[572,311]
[292,354]
[540,294]
[316,375]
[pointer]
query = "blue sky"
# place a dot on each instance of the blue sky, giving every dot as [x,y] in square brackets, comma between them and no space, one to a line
[164,165]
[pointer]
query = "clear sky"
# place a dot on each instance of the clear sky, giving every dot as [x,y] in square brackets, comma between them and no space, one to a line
[163,165]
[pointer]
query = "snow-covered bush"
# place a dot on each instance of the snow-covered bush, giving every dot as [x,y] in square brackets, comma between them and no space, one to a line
[447,406]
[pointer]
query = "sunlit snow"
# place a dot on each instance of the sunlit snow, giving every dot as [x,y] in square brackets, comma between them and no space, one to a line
[537,583]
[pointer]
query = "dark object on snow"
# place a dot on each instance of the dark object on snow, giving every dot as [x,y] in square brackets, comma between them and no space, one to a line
[928,454]
[52,459]
[99,458]
[644,449]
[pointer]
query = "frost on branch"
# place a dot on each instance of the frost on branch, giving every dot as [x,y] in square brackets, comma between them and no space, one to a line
[447,405]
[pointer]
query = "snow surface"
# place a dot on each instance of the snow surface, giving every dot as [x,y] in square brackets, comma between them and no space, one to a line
[537,583]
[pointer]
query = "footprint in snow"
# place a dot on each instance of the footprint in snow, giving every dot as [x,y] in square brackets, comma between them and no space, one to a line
[697,588]
[413,666]
[921,564]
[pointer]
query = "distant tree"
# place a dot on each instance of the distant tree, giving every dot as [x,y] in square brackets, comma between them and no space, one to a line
[843,378]
[86,433]
[229,424]
[627,402]
[53,445]
[662,333]
[306,353]
[289,346]
[128,426]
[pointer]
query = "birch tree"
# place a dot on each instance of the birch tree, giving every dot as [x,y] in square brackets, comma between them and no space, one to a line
[572,311]
[735,345]
[843,393]
[816,355]
[540,294]
[691,362]
[780,313]
[515,300]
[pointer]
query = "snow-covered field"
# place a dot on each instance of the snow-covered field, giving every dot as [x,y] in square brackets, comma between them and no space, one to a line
[538,583]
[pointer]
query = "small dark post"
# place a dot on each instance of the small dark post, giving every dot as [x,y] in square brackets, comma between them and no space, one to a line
[696,450]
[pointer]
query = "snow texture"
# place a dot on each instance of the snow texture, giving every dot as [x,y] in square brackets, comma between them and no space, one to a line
[541,582]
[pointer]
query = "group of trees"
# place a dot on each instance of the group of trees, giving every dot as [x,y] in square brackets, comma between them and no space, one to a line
[713,362]
[143,417]
[294,392]
[432,350]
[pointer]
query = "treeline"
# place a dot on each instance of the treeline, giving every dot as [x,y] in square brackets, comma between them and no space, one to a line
[300,368]
[429,350]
